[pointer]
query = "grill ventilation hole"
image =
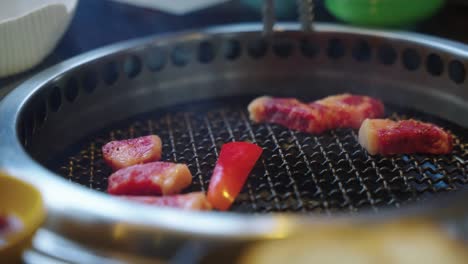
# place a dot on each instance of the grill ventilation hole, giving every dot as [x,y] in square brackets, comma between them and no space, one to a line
[434,65]
[180,56]
[111,73]
[335,49]
[387,55]
[156,59]
[55,99]
[457,71]
[41,114]
[206,52]
[282,48]
[362,51]
[309,49]
[232,49]
[257,48]
[411,59]
[90,81]
[71,90]
[132,66]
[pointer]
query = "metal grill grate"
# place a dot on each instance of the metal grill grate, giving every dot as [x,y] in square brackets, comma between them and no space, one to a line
[298,172]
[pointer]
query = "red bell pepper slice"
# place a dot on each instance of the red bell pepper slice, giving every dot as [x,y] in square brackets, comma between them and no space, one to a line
[234,164]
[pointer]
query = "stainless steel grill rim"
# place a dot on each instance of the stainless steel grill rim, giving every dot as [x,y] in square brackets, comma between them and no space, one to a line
[88,211]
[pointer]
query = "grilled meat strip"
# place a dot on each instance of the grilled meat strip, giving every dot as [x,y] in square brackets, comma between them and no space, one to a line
[124,153]
[154,178]
[386,137]
[338,111]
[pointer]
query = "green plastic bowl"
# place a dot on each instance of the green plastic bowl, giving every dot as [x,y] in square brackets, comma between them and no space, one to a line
[383,13]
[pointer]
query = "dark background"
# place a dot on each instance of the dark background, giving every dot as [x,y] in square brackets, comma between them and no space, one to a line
[101,22]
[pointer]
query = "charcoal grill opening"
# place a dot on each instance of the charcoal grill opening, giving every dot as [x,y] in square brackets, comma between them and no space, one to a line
[298,172]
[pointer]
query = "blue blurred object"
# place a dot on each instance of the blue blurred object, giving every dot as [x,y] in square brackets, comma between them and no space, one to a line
[284,8]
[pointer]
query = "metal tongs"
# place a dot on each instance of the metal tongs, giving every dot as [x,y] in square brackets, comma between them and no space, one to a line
[306,15]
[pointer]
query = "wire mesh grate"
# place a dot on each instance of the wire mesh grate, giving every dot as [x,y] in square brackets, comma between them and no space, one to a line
[297,173]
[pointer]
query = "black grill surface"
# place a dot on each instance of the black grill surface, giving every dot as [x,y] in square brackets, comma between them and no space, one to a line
[298,172]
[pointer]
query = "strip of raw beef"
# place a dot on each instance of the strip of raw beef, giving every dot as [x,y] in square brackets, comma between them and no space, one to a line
[338,111]
[155,178]
[128,152]
[349,111]
[386,137]
[289,112]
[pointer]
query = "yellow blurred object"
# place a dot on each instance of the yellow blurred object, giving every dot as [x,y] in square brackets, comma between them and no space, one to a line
[25,202]
[400,243]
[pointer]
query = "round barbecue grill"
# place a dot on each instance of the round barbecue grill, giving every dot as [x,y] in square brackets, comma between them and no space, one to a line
[192,90]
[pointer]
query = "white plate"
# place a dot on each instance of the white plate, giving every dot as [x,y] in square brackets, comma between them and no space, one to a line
[178,7]
[29,31]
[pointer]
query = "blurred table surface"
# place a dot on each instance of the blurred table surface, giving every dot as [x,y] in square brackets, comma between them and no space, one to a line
[101,22]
